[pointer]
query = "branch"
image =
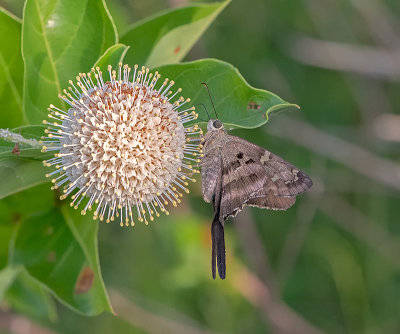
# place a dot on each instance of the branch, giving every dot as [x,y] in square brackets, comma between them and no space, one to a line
[362,227]
[148,321]
[367,60]
[348,154]
[386,127]
[12,137]
[265,294]
[254,249]
[295,239]
[381,23]
[283,319]
[20,325]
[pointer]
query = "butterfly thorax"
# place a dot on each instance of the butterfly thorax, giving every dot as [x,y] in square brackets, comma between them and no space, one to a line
[214,140]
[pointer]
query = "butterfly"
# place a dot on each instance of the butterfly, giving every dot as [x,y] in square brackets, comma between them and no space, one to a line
[235,173]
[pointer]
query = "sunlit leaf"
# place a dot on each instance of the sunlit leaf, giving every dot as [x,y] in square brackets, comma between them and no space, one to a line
[113,56]
[11,71]
[59,41]
[7,277]
[166,38]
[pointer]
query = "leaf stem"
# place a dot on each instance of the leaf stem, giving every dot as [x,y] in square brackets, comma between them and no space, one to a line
[11,137]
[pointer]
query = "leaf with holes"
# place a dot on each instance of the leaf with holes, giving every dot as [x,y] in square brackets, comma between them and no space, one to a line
[237,103]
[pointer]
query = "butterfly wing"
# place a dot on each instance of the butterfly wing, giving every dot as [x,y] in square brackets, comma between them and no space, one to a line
[210,175]
[254,176]
[235,173]
[271,202]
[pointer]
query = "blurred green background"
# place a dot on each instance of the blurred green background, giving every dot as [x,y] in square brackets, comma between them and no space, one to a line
[330,264]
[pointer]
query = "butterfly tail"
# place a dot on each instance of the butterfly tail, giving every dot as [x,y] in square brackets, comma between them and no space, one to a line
[218,248]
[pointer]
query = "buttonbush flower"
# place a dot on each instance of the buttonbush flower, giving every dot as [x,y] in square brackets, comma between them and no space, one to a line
[122,147]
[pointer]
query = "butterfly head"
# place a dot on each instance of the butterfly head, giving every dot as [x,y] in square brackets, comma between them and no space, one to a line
[215,124]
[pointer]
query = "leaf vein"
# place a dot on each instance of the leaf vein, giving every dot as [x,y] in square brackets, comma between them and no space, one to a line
[48,49]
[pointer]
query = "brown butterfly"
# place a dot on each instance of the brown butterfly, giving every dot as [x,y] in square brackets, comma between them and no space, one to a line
[234,173]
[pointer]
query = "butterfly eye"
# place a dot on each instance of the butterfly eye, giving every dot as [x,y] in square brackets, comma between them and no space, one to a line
[217,124]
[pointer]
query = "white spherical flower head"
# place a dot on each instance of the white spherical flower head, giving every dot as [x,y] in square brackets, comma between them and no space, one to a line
[122,146]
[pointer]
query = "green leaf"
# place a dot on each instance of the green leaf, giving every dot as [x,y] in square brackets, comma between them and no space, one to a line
[8,219]
[238,104]
[59,249]
[113,56]
[13,209]
[27,296]
[166,38]
[22,292]
[7,277]
[11,71]
[59,40]
[20,173]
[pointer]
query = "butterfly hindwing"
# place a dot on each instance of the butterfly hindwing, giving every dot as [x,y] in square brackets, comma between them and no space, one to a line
[271,202]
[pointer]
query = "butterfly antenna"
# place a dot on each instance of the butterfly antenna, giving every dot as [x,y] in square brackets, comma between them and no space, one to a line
[205,110]
[208,91]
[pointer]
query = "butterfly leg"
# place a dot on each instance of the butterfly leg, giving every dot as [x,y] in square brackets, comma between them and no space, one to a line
[218,248]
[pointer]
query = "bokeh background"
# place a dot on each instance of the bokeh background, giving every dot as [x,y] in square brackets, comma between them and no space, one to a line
[330,264]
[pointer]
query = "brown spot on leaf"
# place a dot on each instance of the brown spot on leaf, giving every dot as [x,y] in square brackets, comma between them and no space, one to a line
[253,106]
[85,281]
[16,150]
[51,256]
[177,49]
[16,217]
